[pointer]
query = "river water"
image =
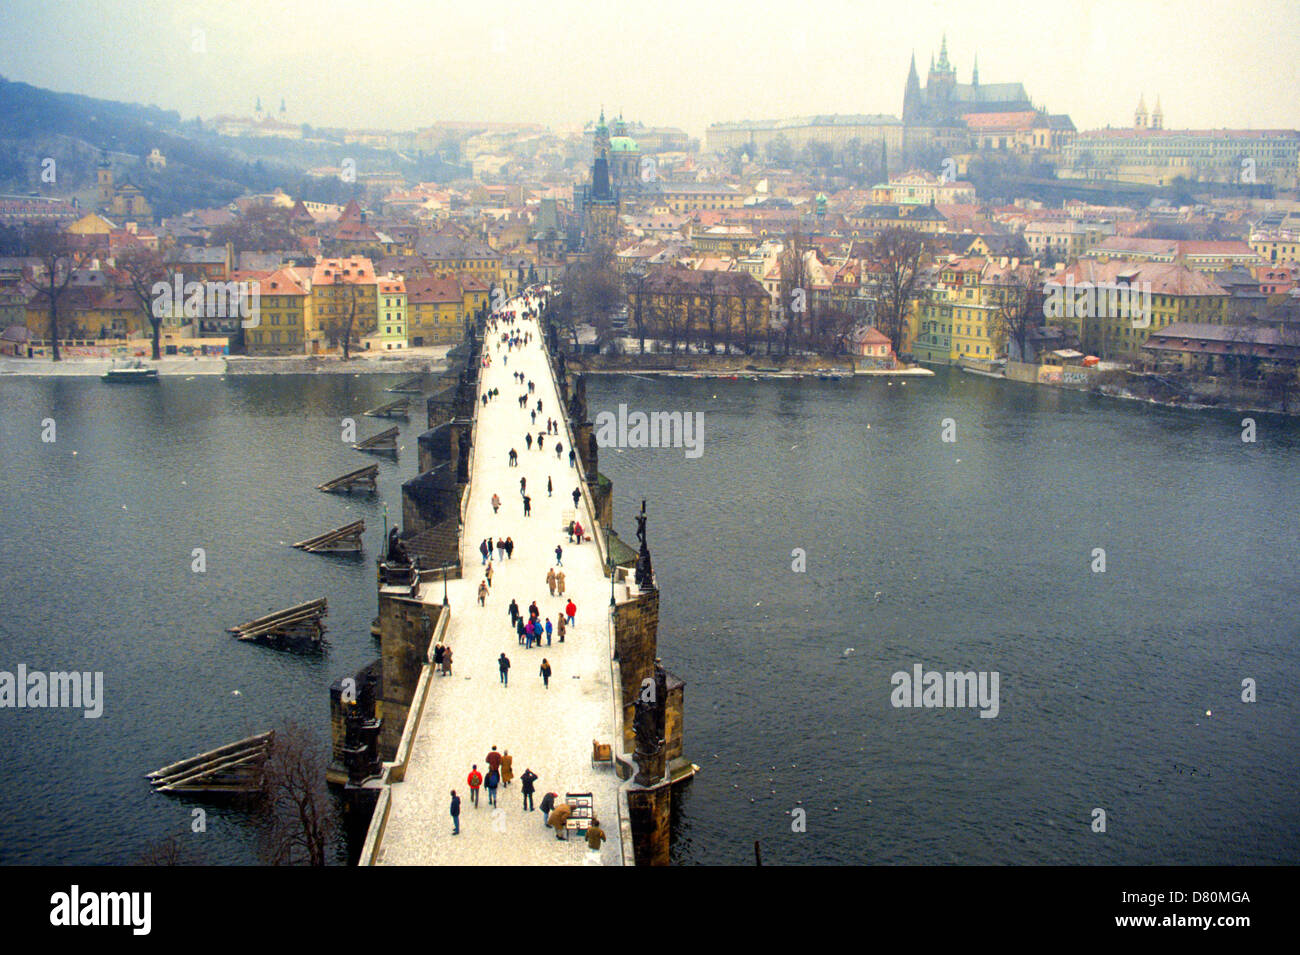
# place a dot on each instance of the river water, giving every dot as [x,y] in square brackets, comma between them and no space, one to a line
[972,555]
[975,555]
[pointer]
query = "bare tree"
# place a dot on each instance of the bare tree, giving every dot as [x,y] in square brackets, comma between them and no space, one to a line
[675,314]
[343,316]
[898,254]
[136,272]
[793,287]
[59,259]
[168,852]
[258,229]
[1020,309]
[638,277]
[836,324]
[298,822]
[744,324]
[709,288]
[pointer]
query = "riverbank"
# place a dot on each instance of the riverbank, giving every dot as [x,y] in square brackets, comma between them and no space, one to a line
[734,366]
[834,374]
[364,363]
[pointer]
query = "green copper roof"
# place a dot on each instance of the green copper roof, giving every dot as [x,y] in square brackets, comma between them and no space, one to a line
[623,144]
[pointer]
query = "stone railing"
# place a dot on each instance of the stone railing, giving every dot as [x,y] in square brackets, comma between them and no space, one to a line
[395,771]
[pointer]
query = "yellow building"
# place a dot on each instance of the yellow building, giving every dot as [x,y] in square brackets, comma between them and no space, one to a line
[720,240]
[123,202]
[959,316]
[91,224]
[435,311]
[1277,248]
[690,196]
[284,315]
[1112,307]
[448,256]
[339,288]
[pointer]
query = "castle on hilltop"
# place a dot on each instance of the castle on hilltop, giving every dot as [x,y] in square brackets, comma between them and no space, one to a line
[943,100]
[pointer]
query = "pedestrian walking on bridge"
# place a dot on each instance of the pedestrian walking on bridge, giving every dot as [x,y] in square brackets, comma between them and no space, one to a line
[550,580]
[491,781]
[507,768]
[455,813]
[503,664]
[559,583]
[475,780]
[545,672]
[526,780]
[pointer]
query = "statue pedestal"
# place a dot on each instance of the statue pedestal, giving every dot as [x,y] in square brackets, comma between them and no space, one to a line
[650,767]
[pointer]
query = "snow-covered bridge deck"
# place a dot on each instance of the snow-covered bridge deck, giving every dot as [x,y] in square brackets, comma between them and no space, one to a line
[549,731]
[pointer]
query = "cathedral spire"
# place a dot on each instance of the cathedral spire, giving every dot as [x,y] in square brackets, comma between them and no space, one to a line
[975,73]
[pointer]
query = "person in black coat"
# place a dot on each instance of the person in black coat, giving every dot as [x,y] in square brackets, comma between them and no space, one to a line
[526,780]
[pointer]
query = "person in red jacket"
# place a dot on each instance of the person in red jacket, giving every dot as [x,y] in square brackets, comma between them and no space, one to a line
[569,610]
[475,780]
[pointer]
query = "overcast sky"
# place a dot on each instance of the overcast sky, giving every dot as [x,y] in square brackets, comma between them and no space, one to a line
[404,64]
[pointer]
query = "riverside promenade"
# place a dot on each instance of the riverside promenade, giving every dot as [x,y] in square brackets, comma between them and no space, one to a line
[548,730]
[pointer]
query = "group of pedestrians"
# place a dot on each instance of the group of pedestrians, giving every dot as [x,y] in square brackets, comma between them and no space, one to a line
[505,547]
[554,579]
[442,659]
[555,814]
[500,772]
[533,628]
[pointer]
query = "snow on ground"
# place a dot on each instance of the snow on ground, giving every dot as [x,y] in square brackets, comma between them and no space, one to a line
[547,730]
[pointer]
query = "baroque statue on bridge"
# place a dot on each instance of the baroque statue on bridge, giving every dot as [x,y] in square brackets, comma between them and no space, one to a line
[646,719]
[644,575]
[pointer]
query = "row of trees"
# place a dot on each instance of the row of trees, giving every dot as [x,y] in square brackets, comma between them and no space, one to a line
[59,256]
[711,311]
